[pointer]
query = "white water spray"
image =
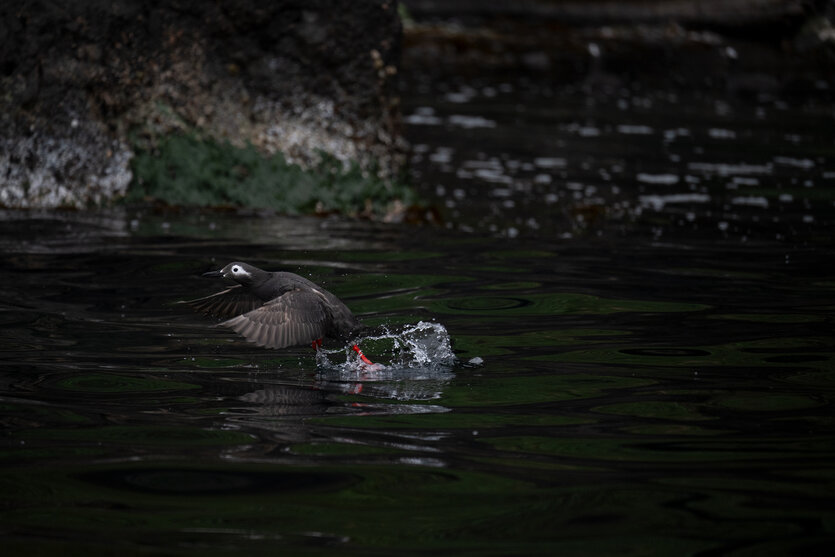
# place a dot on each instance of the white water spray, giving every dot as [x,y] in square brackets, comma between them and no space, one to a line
[424,346]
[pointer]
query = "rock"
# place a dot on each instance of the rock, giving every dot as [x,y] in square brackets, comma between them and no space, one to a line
[84,83]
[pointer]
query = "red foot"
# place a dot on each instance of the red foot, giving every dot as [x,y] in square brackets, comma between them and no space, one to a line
[356,349]
[316,344]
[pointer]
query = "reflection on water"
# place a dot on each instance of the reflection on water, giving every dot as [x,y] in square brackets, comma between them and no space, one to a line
[548,159]
[625,388]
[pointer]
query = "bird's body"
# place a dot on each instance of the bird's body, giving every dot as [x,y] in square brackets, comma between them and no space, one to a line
[277,309]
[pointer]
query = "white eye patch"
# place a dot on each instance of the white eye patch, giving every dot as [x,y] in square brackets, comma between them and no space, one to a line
[239,272]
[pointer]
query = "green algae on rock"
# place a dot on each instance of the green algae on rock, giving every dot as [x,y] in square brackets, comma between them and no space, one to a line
[187,170]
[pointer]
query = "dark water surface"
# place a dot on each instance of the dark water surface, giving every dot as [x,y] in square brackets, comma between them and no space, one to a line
[637,288]
[635,397]
[516,156]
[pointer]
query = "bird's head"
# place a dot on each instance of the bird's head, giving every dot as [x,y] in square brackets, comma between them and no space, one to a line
[242,273]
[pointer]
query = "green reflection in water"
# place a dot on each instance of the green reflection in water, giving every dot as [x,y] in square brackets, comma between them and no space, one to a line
[518,285]
[382,287]
[506,390]
[248,508]
[655,409]
[766,402]
[495,345]
[523,254]
[822,378]
[140,435]
[376,256]
[25,413]
[339,449]
[745,353]
[424,291]
[672,429]
[116,383]
[509,460]
[736,451]
[769,317]
[566,303]
[52,454]
[450,420]
[212,362]
[756,486]
[713,273]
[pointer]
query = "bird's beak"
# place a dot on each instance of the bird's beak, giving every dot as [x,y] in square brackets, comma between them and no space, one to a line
[214,274]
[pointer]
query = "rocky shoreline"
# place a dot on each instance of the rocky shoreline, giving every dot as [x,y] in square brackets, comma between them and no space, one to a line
[87,87]
[86,84]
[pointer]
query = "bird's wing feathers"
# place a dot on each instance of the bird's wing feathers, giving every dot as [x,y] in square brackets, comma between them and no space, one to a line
[296,317]
[227,303]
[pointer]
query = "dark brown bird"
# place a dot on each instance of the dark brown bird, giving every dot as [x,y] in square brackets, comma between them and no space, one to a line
[278,309]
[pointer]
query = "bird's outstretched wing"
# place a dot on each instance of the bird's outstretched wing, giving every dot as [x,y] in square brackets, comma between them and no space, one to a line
[227,303]
[294,318]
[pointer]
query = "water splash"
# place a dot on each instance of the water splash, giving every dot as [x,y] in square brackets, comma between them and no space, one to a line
[413,363]
[412,349]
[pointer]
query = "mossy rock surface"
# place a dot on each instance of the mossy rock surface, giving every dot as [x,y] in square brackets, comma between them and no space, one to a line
[189,171]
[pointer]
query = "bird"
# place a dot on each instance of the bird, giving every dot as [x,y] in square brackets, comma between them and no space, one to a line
[278,309]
